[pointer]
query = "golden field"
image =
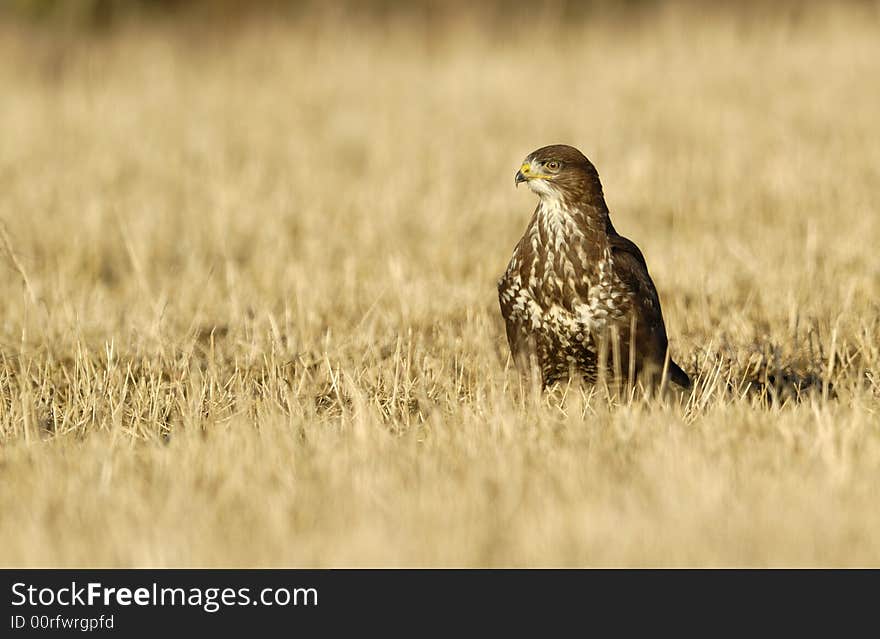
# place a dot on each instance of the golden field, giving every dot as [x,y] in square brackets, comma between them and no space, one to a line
[249,312]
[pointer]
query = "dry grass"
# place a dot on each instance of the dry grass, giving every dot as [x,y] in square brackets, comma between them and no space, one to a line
[249,312]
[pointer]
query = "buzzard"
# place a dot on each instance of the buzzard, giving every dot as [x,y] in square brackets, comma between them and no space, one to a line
[576,296]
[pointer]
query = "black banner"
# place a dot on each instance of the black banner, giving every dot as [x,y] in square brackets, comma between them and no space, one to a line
[147,602]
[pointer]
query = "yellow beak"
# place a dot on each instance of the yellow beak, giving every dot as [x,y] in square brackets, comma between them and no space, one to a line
[525,174]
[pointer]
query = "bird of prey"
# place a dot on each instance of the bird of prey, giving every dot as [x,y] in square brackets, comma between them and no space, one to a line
[576,296]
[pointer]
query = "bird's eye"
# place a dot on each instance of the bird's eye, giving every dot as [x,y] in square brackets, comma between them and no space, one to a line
[553,166]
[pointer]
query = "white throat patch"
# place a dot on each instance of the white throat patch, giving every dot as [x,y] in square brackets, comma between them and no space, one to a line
[543,188]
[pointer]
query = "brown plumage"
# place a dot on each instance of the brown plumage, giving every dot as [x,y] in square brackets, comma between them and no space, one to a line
[574,289]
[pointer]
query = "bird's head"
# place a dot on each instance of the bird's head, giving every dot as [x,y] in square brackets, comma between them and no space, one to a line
[560,171]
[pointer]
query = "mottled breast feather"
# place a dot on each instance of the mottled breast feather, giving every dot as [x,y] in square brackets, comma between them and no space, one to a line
[574,286]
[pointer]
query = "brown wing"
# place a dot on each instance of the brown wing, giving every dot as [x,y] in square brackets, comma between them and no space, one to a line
[651,341]
[511,298]
[508,293]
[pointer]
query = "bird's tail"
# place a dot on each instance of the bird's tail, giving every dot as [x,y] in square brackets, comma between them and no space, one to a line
[679,376]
